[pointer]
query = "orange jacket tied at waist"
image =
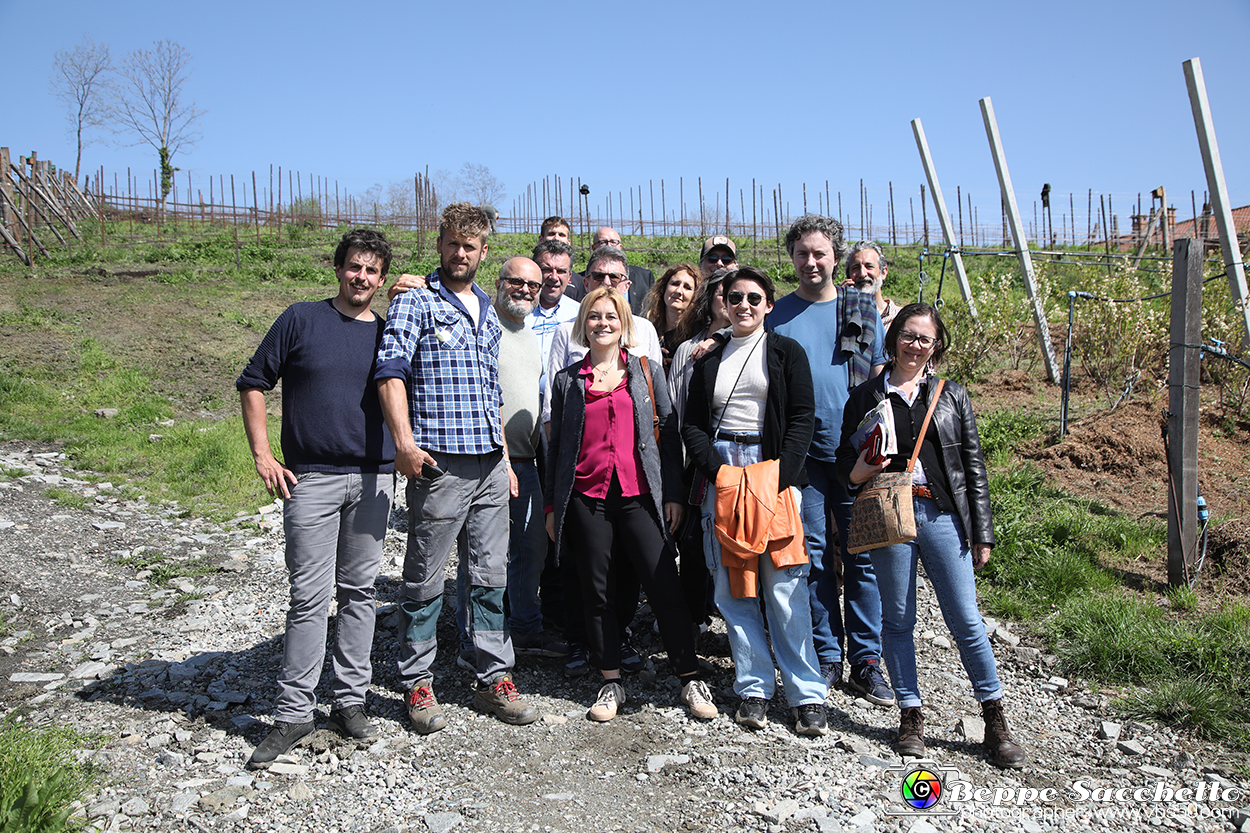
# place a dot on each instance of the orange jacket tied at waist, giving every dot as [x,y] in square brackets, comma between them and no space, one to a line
[752,518]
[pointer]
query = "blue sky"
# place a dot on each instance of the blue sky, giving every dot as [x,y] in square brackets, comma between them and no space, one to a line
[1088,95]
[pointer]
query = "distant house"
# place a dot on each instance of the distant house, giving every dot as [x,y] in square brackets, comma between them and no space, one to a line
[1202,227]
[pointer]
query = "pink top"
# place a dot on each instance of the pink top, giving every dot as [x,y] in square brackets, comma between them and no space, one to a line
[609,442]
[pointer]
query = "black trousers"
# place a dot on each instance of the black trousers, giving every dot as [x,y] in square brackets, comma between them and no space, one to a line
[598,533]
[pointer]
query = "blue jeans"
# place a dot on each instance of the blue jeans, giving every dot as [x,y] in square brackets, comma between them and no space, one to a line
[335,527]
[941,545]
[785,603]
[824,494]
[527,551]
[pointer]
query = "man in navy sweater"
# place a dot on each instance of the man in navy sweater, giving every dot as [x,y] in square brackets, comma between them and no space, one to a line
[337,480]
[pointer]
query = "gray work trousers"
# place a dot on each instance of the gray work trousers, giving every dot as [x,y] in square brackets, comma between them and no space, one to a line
[335,527]
[469,505]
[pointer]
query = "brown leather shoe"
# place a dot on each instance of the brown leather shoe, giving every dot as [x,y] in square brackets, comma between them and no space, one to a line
[1005,753]
[910,741]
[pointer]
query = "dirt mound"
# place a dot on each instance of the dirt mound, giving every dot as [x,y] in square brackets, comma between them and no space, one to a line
[1124,443]
[1227,566]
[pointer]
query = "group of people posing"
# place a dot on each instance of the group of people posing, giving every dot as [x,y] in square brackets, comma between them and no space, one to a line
[579,438]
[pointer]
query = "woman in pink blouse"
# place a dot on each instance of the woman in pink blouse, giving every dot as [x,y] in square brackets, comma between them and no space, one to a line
[613,491]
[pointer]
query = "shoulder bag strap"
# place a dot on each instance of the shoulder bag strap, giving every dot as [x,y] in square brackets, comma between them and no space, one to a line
[924,426]
[655,417]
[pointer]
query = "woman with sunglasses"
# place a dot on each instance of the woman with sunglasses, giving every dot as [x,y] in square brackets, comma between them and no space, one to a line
[752,400]
[614,472]
[954,531]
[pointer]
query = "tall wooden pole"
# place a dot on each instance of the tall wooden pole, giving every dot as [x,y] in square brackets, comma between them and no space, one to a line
[1183,365]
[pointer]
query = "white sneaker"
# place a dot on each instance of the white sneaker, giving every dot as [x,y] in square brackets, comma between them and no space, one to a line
[698,697]
[611,697]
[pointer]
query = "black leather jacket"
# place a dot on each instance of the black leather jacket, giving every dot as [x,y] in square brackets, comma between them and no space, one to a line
[961,449]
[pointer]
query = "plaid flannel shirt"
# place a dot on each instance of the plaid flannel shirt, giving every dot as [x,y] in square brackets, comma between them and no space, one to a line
[451,370]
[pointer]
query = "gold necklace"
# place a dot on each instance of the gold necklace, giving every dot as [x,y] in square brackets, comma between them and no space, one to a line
[601,373]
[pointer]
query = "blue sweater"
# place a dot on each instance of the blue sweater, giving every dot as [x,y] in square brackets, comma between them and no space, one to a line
[331,419]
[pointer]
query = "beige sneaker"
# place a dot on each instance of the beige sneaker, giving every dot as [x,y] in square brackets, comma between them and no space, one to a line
[611,697]
[698,697]
[503,701]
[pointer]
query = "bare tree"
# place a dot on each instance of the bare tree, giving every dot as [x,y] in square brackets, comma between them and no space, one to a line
[478,185]
[80,80]
[151,102]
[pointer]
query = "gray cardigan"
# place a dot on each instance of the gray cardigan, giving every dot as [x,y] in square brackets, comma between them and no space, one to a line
[662,466]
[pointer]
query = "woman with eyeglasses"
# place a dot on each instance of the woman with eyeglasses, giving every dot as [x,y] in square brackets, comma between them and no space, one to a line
[614,476]
[667,301]
[954,531]
[752,400]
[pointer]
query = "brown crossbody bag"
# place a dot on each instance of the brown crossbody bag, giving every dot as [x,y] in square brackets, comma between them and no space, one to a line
[883,512]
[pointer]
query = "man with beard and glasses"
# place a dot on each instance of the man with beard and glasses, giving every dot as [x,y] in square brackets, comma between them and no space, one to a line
[438,382]
[520,368]
[866,270]
[336,480]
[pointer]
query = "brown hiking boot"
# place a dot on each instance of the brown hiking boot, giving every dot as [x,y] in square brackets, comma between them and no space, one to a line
[910,741]
[423,710]
[1005,753]
[503,701]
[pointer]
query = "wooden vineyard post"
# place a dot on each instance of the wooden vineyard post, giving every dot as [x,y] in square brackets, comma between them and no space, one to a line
[1182,420]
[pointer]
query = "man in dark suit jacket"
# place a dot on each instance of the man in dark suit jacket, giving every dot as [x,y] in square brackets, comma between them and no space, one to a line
[640,280]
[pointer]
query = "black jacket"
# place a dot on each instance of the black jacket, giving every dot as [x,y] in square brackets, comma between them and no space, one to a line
[789,411]
[662,466]
[960,454]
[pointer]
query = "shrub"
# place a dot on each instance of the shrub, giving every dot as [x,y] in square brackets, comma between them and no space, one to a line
[1116,343]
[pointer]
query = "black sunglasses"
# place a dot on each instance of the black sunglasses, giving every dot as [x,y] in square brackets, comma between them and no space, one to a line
[752,298]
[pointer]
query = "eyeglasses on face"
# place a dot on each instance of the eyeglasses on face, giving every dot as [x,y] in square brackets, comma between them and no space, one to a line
[607,278]
[517,283]
[752,298]
[722,260]
[908,337]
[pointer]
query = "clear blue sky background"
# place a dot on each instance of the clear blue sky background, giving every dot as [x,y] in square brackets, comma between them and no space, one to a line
[1087,94]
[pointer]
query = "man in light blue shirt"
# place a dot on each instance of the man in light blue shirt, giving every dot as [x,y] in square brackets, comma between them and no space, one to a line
[555,259]
[841,332]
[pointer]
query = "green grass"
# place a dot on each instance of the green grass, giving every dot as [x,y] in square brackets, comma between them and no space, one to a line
[201,464]
[163,568]
[1055,563]
[40,779]
[66,497]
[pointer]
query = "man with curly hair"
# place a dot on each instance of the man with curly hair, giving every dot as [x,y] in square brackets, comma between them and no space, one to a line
[336,480]
[438,382]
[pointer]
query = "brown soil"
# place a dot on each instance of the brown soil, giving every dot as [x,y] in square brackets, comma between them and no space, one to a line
[1117,459]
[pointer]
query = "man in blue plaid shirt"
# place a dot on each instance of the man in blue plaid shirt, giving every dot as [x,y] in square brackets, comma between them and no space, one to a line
[438,382]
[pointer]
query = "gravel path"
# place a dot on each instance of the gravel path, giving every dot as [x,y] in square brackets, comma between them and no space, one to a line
[176,679]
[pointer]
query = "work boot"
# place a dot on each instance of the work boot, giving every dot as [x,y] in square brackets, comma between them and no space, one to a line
[1005,753]
[501,699]
[910,741]
[423,710]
